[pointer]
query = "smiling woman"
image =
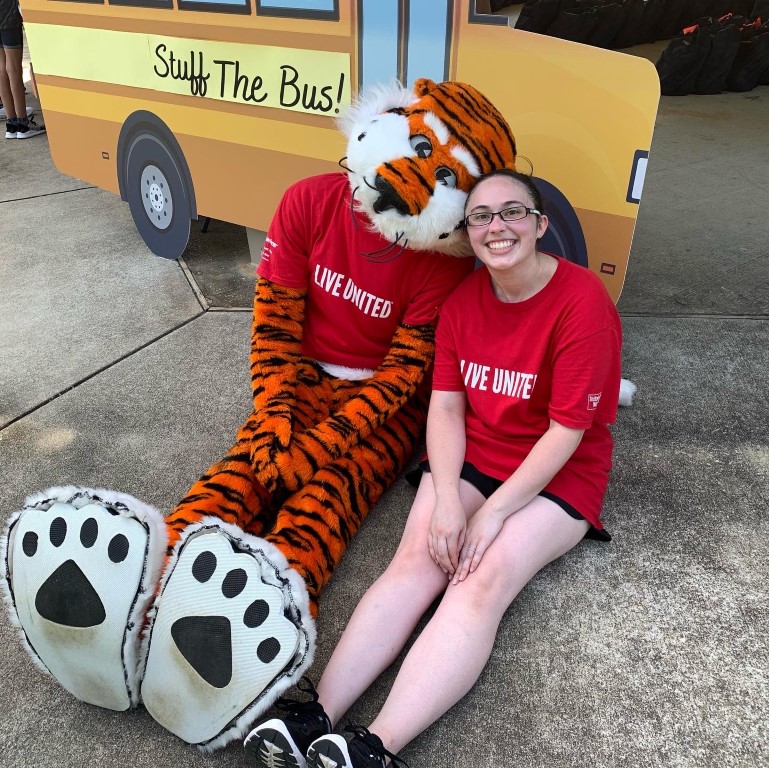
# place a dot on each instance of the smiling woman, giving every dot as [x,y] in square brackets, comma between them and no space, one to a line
[504,222]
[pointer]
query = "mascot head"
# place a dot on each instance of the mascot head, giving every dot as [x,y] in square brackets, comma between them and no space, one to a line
[413,156]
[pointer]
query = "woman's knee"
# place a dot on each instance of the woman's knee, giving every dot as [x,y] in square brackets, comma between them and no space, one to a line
[413,567]
[488,589]
[412,560]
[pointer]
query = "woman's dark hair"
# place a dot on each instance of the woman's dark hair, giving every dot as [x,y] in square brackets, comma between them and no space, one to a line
[521,178]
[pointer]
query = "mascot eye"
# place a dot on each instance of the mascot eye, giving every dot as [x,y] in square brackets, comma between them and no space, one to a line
[362,135]
[446,176]
[421,145]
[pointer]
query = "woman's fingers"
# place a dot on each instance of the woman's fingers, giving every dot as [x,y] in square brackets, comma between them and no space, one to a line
[444,552]
[444,556]
[433,543]
[470,560]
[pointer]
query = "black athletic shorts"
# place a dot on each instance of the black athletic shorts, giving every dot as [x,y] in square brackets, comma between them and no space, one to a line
[11,38]
[487,485]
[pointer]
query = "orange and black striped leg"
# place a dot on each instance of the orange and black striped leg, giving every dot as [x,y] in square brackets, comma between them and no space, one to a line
[229,490]
[314,526]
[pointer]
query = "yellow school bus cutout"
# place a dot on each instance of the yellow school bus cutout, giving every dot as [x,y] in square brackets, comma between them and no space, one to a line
[191,108]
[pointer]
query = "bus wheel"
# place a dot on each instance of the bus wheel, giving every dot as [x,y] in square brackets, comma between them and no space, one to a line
[156,196]
[564,236]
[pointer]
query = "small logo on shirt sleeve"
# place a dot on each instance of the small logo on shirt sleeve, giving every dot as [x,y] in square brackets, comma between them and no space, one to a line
[268,249]
[592,401]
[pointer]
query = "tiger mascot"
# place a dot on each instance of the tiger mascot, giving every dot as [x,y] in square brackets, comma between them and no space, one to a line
[207,616]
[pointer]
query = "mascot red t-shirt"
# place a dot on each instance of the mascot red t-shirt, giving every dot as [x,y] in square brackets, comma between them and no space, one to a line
[522,364]
[353,305]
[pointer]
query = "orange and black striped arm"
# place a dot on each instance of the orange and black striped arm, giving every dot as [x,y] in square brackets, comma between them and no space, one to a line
[392,385]
[276,337]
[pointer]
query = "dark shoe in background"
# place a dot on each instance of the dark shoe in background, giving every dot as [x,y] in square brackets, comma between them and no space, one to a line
[26,128]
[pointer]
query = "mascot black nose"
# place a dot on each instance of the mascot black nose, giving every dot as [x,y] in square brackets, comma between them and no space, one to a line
[388,197]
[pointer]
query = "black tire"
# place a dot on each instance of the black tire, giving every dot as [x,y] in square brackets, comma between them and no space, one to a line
[157,196]
[564,236]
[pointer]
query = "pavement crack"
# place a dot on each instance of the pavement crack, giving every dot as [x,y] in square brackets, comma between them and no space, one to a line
[47,194]
[103,368]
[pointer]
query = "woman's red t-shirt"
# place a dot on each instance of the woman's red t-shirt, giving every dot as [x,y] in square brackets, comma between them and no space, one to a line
[553,356]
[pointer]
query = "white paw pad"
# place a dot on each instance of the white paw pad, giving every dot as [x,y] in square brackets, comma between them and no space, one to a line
[219,640]
[76,578]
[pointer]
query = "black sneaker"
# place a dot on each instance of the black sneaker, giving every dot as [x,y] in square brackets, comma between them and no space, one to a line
[10,129]
[364,750]
[26,129]
[283,742]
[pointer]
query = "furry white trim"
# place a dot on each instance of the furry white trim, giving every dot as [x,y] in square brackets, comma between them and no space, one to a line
[6,547]
[626,391]
[274,571]
[438,127]
[116,504]
[464,157]
[343,372]
[373,101]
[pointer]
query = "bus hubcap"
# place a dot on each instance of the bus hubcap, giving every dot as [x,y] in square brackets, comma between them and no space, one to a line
[156,197]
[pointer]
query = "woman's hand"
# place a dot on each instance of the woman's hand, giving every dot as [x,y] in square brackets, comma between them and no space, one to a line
[482,529]
[447,533]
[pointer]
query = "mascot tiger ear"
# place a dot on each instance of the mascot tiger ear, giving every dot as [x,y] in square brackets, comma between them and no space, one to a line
[413,156]
[207,615]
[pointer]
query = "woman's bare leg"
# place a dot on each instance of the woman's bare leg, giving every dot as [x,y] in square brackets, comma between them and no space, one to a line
[6,95]
[449,655]
[390,609]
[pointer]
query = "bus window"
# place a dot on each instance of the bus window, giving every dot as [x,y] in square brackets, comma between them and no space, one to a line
[221,6]
[299,9]
[140,3]
[384,25]
[378,41]
[637,176]
[427,54]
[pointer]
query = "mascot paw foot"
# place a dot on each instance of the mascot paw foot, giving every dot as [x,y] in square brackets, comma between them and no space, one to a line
[81,569]
[232,631]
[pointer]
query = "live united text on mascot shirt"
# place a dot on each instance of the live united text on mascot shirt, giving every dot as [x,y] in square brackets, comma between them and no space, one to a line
[553,356]
[354,304]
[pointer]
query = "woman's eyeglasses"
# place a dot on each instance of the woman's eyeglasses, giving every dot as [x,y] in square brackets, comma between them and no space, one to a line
[484,218]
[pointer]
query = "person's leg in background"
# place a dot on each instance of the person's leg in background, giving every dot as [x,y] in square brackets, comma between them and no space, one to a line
[19,125]
[6,96]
